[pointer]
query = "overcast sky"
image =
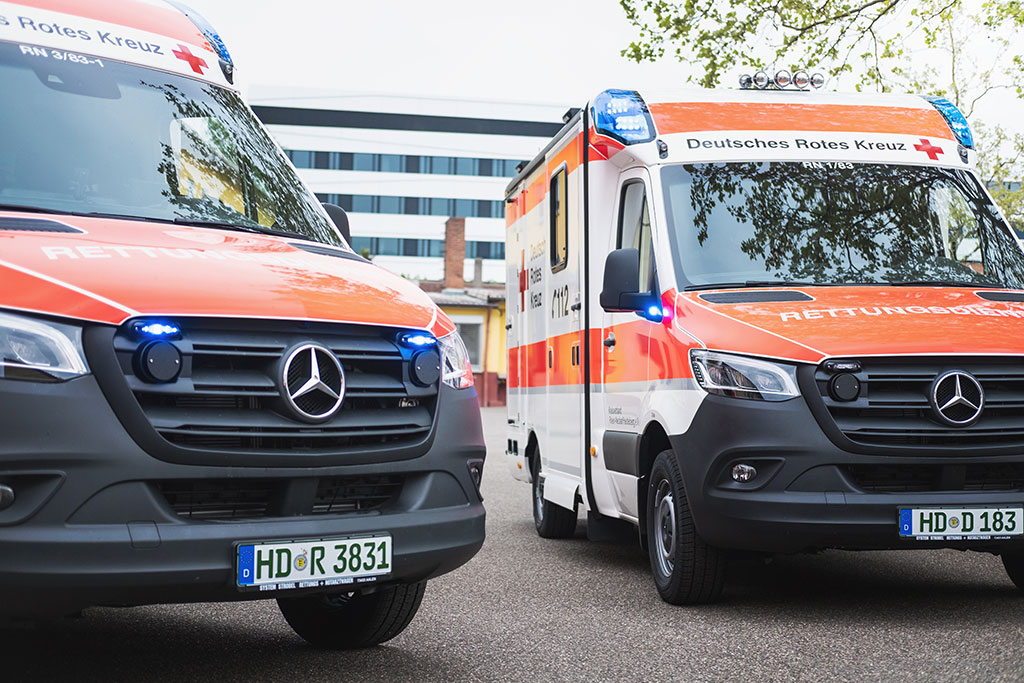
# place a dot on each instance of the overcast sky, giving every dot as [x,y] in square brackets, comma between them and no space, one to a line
[556,52]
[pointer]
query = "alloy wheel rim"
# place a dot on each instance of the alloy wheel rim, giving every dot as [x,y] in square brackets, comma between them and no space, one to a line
[538,497]
[665,528]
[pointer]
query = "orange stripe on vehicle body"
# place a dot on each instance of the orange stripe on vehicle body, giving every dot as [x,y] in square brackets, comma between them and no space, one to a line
[26,292]
[686,117]
[635,341]
[571,154]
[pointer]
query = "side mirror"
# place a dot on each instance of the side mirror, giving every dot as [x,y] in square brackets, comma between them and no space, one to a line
[340,219]
[621,278]
[621,275]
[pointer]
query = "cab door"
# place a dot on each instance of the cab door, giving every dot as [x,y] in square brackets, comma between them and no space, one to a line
[625,348]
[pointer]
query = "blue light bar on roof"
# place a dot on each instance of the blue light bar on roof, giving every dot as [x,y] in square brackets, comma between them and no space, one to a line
[956,120]
[622,115]
[205,28]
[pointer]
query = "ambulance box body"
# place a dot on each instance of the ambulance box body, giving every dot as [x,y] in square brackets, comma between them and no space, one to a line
[205,394]
[769,321]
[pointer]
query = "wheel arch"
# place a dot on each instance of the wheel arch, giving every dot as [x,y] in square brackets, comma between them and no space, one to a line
[653,441]
[532,448]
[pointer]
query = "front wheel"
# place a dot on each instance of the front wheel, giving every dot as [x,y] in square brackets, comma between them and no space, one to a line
[687,571]
[1013,563]
[349,622]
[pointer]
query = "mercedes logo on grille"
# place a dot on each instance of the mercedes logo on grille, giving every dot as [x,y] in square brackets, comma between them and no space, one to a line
[313,383]
[957,398]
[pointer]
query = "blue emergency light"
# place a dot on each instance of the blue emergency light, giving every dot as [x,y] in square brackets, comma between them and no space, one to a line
[154,329]
[956,120]
[622,115]
[418,340]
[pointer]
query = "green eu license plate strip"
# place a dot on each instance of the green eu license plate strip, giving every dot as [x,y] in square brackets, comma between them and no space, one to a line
[961,523]
[312,563]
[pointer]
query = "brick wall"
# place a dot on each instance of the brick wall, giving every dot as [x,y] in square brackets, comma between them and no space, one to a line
[454,253]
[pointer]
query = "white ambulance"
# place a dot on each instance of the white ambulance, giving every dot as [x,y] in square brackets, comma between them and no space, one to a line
[769,320]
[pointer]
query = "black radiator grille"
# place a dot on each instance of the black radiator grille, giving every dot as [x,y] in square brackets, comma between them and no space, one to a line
[227,396]
[893,407]
[227,499]
[910,478]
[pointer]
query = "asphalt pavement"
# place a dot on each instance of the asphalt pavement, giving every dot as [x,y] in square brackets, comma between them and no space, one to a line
[529,609]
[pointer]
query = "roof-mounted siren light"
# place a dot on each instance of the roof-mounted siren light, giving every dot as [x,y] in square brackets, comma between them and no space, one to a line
[623,116]
[227,66]
[800,80]
[955,119]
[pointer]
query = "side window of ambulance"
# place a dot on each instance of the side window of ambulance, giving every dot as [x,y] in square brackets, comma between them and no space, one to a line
[559,205]
[635,230]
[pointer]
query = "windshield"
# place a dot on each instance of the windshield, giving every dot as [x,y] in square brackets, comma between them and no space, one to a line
[751,223]
[94,136]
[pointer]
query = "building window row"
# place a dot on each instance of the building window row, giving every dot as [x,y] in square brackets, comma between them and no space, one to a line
[417,206]
[403,163]
[404,246]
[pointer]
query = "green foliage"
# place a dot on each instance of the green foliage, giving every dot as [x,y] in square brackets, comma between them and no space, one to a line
[873,40]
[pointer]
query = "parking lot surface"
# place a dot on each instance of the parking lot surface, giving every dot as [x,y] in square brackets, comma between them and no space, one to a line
[528,609]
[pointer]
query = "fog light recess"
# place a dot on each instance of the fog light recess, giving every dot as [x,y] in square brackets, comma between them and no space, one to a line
[6,496]
[743,473]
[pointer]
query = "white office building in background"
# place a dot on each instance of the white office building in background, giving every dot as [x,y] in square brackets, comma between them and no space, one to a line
[401,166]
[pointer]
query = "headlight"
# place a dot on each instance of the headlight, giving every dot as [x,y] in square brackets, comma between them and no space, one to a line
[40,351]
[741,377]
[456,370]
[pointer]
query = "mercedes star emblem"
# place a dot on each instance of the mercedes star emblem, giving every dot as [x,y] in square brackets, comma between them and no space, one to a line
[313,382]
[957,398]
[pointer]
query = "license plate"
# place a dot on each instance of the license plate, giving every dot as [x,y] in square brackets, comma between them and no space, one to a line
[961,523]
[309,564]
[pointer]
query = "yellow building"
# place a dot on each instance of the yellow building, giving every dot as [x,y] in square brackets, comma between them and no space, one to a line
[479,314]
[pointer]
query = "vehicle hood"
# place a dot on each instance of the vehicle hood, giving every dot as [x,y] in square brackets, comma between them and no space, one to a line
[115,269]
[813,323]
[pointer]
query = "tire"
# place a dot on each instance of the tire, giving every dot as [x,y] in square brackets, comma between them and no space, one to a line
[551,520]
[687,571]
[342,622]
[1013,563]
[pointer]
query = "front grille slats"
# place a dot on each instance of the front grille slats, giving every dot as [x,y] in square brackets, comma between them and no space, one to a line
[340,494]
[894,410]
[228,397]
[171,418]
[918,478]
[245,499]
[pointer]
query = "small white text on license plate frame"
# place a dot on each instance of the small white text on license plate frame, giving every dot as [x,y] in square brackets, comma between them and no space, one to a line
[309,564]
[961,523]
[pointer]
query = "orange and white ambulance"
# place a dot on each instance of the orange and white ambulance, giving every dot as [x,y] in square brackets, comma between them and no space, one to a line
[769,320]
[205,394]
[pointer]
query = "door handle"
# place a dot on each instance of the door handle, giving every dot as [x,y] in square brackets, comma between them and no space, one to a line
[576,306]
[609,341]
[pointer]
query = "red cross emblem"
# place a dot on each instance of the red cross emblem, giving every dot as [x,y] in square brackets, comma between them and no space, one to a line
[523,282]
[928,148]
[197,63]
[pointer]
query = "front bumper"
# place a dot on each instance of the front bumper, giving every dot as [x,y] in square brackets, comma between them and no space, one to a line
[804,496]
[90,526]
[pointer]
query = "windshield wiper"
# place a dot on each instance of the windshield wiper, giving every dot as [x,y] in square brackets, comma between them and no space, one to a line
[31,209]
[223,225]
[940,283]
[756,283]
